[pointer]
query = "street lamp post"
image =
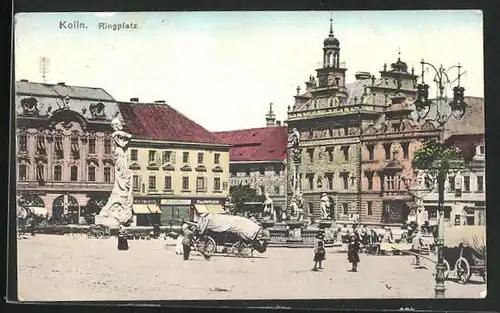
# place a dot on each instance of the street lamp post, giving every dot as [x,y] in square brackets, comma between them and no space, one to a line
[442,104]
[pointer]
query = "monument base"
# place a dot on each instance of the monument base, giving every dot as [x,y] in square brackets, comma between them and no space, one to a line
[106,221]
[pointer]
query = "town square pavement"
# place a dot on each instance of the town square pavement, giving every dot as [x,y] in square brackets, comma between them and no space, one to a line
[63,268]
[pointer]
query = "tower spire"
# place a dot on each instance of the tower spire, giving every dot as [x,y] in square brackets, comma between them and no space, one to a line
[399,53]
[331,24]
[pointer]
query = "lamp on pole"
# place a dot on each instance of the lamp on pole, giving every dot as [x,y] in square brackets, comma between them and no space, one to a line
[445,108]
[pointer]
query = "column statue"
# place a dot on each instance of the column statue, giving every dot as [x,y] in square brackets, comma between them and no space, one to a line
[118,209]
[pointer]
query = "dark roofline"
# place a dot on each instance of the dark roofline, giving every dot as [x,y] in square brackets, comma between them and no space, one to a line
[61,96]
[52,96]
[248,129]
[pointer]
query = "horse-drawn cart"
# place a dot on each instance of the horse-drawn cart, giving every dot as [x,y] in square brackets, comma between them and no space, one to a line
[234,234]
[465,250]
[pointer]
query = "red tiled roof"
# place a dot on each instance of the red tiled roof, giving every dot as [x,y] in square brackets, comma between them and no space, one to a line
[466,143]
[162,122]
[257,144]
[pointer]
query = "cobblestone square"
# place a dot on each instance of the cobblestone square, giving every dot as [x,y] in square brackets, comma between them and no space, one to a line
[62,268]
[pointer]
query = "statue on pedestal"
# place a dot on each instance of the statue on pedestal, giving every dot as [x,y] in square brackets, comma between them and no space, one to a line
[325,207]
[295,141]
[118,209]
[268,212]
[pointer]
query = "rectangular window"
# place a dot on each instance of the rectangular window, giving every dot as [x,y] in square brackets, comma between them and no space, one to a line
[387,149]
[396,127]
[310,206]
[107,146]
[447,213]
[40,144]
[22,172]
[185,157]
[92,145]
[217,158]
[451,180]
[200,157]
[168,183]
[217,183]
[345,181]
[200,183]
[406,149]
[136,183]
[185,183]
[107,174]
[152,183]
[345,208]
[371,152]
[262,190]
[151,156]
[91,173]
[310,153]
[369,177]
[262,171]
[391,182]
[466,183]
[74,145]
[330,181]
[311,181]
[369,205]
[480,183]
[23,143]
[276,190]
[133,155]
[166,157]
[74,173]
[481,149]
[331,155]
[57,173]
[345,151]
[40,172]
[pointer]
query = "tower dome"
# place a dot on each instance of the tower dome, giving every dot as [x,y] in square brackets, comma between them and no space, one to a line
[331,41]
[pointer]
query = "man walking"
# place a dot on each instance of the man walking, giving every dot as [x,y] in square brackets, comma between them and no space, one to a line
[417,247]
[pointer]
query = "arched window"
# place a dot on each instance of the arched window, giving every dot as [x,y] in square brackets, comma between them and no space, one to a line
[91,173]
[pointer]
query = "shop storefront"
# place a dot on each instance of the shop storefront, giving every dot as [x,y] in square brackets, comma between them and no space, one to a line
[174,211]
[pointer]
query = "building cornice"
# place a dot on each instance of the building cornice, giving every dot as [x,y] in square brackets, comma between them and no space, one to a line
[137,142]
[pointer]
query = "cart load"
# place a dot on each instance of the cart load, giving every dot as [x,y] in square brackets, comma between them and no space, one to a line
[240,233]
[464,251]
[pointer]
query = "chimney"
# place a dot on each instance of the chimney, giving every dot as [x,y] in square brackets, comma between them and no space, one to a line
[24,80]
[134,99]
[159,101]
[362,75]
[278,123]
[61,84]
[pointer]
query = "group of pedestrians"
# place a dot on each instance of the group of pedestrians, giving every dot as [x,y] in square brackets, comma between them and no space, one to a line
[353,248]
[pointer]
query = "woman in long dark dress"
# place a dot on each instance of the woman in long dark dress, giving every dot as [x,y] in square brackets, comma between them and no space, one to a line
[122,239]
[353,251]
[319,251]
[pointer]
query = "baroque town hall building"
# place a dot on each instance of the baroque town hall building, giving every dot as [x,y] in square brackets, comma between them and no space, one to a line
[357,141]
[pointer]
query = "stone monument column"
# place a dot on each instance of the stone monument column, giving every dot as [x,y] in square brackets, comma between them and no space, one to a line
[118,210]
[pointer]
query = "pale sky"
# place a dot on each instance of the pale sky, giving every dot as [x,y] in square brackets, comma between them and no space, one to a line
[222,69]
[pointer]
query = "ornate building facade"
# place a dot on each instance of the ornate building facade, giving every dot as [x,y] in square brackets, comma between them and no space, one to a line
[357,140]
[179,168]
[64,150]
[258,158]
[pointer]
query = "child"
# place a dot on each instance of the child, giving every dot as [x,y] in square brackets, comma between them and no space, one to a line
[319,251]
[353,252]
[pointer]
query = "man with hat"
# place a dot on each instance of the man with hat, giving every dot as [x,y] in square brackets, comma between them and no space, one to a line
[353,251]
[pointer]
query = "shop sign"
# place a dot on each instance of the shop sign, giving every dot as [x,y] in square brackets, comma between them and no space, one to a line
[146,201]
[208,201]
[175,201]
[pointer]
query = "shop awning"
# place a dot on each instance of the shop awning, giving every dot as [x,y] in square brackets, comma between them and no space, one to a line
[209,208]
[146,208]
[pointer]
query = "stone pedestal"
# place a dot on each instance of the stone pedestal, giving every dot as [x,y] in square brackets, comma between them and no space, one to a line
[106,221]
[295,231]
[327,226]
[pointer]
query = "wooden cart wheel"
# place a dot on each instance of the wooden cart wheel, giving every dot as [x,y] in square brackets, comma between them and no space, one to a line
[206,245]
[100,234]
[240,249]
[462,268]
[448,270]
